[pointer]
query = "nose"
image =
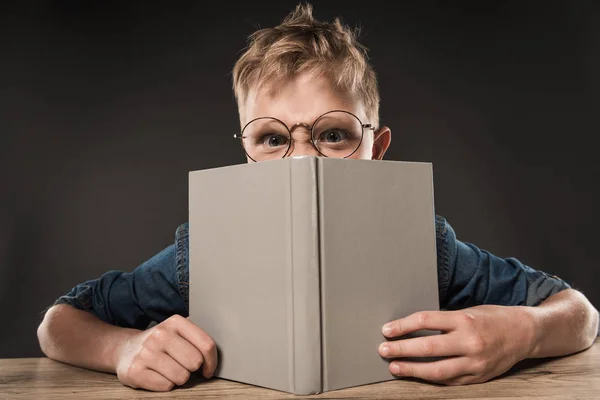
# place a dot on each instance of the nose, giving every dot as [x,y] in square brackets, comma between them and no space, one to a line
[303,149]
[301,142]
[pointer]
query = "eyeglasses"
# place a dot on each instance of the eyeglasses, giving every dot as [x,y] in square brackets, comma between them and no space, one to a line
[336,134]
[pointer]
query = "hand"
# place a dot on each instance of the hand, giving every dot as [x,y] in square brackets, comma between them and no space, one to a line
[164,356]
[478,343]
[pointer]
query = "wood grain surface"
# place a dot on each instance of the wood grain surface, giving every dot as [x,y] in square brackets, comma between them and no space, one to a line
[572,377]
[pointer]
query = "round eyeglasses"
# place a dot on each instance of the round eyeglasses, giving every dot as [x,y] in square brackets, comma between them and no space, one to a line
[336,134]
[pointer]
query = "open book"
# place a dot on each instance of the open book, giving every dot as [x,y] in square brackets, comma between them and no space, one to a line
[296,264]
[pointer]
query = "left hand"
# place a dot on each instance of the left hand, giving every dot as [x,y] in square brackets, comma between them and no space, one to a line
[478,343]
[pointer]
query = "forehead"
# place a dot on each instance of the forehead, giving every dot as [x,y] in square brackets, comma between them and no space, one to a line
[301,99]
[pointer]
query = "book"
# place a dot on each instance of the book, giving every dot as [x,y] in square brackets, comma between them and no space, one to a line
[296,264]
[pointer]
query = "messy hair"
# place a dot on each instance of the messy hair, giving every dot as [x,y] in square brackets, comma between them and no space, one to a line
[301,43]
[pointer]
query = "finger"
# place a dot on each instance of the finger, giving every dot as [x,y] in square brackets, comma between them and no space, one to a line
[165,365]
[152,380]
[435,371]
[425,346]
[184,353]
[430,320]
[203,342]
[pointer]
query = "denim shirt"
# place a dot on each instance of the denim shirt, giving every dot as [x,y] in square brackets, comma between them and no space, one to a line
[158,288]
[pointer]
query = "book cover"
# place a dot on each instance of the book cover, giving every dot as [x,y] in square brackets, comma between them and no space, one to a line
[295,265]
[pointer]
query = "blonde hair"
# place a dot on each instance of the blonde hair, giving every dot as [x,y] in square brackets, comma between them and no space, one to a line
[302,43]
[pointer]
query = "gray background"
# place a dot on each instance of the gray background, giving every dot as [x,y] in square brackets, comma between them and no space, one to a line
[105,107]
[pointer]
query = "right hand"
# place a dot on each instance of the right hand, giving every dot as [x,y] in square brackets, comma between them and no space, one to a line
[163,356]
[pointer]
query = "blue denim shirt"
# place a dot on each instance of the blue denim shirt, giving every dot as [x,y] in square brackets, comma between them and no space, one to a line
[158,288]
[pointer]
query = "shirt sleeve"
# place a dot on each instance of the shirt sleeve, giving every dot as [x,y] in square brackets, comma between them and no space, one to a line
[149,294]
[471,276]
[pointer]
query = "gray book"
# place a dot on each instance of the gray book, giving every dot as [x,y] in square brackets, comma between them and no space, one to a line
[296,264]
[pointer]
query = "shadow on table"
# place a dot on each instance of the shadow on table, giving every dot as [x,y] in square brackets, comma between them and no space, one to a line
[526,367]
[196,379]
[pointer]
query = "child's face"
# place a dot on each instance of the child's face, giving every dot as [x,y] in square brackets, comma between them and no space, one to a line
[298,104]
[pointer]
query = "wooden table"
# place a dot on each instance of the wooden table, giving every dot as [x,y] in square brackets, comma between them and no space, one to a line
[572,377]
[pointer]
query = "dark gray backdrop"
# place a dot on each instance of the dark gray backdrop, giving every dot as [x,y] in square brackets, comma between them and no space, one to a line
[105,107]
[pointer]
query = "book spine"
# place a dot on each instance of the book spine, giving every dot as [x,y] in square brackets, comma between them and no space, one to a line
[307,377]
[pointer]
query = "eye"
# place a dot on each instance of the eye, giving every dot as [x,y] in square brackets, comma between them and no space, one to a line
[273,140]
[333,135]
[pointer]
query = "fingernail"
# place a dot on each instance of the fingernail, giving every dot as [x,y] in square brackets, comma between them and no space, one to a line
[385,350]
[395,368]
[387,330]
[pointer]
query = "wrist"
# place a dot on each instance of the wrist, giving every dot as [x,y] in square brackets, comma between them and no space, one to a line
[531,321]
[116,344]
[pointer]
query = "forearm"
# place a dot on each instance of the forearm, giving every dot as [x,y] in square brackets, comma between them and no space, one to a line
[79,338]
[564,323]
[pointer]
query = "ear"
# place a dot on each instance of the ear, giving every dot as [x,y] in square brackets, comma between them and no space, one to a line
[381,141]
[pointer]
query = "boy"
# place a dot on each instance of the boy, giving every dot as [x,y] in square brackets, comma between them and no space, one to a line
[305,87]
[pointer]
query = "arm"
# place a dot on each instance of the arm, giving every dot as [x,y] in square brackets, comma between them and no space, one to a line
[86,326]
[156,359]
[564,323]
[470,276]
[495,313]
[563,319]
[101,324]
[111,308]
[80,338]
[150,293]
